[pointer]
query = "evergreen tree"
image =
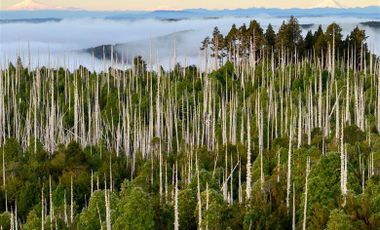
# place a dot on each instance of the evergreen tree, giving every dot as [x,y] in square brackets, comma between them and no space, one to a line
[270,37]
[320,44]
[139,65]
[309,41]
[289,34]
[217,43]
[230,42]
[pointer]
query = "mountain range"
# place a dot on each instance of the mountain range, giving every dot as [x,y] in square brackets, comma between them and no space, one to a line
[329,4]
[35,5]
[31,9]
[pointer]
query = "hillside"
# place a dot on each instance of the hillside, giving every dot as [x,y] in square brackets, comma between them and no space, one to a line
[265,133]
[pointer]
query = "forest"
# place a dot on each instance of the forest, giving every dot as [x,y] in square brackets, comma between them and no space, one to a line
[272,130]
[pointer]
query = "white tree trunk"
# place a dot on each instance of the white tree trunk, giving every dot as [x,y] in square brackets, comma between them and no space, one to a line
[289,174]
[176,214]
[306,190]
[249,177]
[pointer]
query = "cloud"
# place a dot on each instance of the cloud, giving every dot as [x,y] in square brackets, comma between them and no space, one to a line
[65,37]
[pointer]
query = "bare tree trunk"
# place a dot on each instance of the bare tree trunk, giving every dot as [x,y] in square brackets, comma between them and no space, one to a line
[42,209]
[176,215]
[160,168]
[261,144]
[278,165]
[65,219]
[249,177]
[51,209]
[294,209]
[108,209]
[289,174]
[343,168]
[207,201]
[199,198]
[3,169]
[306,190]
[71,201]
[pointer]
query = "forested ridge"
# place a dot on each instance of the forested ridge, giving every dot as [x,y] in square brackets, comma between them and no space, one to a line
[272,131]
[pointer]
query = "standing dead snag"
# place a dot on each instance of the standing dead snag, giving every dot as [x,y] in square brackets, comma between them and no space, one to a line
[176,214]
[71,201]
[261,142]
[51,208]
[306,190]
[294,209]
[199,201]
[343,167]
[42,208]
[249,171]
[108,208]
[289,174]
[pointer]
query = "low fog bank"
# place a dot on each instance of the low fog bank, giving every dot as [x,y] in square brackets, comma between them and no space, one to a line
[155,40]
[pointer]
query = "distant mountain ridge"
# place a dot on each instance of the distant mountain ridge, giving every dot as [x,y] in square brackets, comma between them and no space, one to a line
[127,50]
[30,20]
[368,12]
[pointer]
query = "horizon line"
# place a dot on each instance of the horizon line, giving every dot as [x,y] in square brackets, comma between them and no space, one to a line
[185,9]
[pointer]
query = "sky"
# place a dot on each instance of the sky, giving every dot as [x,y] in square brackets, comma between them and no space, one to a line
[185,4]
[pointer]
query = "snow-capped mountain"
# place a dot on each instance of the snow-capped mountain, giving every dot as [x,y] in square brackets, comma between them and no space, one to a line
[329,4]
[34,5]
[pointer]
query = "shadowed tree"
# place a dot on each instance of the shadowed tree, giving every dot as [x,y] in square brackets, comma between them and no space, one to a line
[270,37]
[139,65]
[319,42]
